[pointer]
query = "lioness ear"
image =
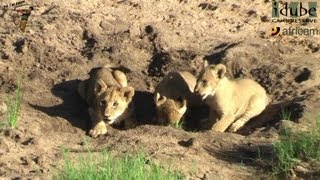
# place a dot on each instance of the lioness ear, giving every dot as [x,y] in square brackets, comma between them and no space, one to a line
[221,70]
[159,100]
[128,93]
[103,86]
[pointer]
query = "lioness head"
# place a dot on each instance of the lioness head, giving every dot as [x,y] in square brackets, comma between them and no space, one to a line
[113,101]
[169,111]
[209,79]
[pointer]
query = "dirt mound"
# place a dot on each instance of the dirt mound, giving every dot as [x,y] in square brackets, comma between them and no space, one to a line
[148,39]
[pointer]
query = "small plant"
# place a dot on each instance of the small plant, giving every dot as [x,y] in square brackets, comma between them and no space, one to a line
[294,148]
[285,114]
[177,125]
[14,105]
[111,168]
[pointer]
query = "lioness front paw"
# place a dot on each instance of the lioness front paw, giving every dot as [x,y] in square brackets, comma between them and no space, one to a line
[237,125]
[99,129]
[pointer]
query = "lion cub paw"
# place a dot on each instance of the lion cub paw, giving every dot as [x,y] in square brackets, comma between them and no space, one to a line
[237,125]
[99,129]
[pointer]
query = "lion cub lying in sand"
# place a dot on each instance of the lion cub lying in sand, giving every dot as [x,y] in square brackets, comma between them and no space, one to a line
[108,97]
[235,102]
[172,96]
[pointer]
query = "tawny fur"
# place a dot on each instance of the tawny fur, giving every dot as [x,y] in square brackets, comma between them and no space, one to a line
[232,102]
[172,96]
[108,97]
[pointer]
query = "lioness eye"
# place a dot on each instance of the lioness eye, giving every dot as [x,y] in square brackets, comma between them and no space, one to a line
[115,104]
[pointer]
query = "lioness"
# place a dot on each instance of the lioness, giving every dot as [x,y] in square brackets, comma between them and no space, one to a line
[172,96]
[234,102]
[108,97]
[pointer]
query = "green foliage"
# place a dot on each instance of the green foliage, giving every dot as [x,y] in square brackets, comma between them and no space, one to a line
[108,167]
[293,148]
[177,125]
[14,105]
[285,114]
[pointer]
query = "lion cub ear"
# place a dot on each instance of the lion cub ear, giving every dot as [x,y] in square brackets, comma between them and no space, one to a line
[128,93]
[212,67]
[205,63]
[221,70]
[159,100]
[101,87]
[181,103]
[120,77]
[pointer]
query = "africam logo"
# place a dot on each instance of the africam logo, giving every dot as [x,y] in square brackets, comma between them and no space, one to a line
[23,8]
[296,11]
[297,31]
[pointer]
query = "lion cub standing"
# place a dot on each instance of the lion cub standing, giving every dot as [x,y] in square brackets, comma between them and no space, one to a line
[172,96]
[108,97]
[235,102]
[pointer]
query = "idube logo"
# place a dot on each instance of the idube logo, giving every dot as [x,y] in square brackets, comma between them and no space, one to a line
[294,11]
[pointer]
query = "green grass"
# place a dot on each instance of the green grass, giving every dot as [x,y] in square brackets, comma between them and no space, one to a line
[285,114]
[107,167]
[177,125]
[14,105]
[295,148]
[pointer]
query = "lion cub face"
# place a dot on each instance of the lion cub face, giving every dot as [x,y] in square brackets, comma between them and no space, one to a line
[113,102]
[209,79]
[170,111]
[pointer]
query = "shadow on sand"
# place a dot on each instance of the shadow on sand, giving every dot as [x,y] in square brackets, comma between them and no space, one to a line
[73,108]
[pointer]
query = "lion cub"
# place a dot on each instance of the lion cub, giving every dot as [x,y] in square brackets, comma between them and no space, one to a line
[234,101]
[172,96]
[108,97]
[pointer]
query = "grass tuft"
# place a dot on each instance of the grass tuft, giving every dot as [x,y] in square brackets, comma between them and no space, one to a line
[285,114]
[14,105]
[110,168]
[177,125]
[295,148]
